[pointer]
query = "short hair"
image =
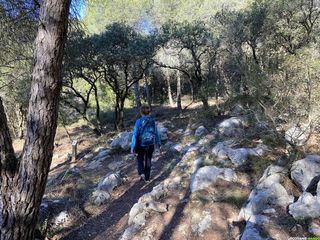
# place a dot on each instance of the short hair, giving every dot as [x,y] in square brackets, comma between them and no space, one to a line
[145,109]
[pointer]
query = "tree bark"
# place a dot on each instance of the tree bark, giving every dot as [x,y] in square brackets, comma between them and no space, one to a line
[169,90]
[146,85]
[23,184]
[179,107]
[137,97]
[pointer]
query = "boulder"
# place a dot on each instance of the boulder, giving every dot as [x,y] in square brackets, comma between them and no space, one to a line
[109,182]
[251,231]
[102,155]
[136,210]
[220,150]
[238,156]
[129,233]
[258,151]
[232,127]
[105,187]
[122,141]
[304,170]
[100,197]
[200,131]
[268,193]
[163,132]
[208,175]
[307,206]
[298,134]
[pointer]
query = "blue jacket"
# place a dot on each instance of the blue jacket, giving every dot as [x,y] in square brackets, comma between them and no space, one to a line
[136,132]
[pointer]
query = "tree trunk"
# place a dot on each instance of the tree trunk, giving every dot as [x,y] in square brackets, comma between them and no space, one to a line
[119,107]
[137,97]
[179,107]
[23,184]
[146,85]
[97,107]
[169,91]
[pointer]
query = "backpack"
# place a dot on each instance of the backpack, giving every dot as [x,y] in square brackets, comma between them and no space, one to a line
[147,132]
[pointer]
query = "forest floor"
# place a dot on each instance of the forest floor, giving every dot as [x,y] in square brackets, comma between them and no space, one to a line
[71,183]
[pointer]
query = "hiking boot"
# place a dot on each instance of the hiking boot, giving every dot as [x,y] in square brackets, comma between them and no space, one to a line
[142,177]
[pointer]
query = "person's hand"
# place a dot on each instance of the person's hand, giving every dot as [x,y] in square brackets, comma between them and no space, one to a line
[132,151]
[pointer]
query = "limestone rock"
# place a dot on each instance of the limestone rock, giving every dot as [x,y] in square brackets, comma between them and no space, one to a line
[238,156]
[220,151]
[298,134]
[232,127]
[203,225]
[314,228]
[307,206]
[109,182]
[268,193]
[163,132]
[122,141]
[200,131]
[61,218]
[251,232]
[100,197]
[206,176]
[135,214]
[304,170]
[102,155]
[129,232]
[158,207]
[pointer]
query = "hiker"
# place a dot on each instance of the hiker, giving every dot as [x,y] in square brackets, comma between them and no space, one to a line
[144,141]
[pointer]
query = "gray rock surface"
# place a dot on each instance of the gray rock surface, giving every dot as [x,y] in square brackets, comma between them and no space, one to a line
[298,134]
[100,197]
[269,193]
[304,170]
[251,231]
[163,132]
[61,218]
[307,206]
[109,182]
[232,127]
[238,156]
[200,131]
[208,175]
[105,187]
[203,225]
[122,141]
[314,228]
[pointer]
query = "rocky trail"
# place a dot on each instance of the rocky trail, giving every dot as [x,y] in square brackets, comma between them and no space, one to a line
[219,182]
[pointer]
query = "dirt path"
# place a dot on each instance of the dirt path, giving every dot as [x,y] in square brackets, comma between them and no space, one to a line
[111,223]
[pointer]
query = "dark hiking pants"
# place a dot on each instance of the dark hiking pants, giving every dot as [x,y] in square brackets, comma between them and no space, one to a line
[144,160]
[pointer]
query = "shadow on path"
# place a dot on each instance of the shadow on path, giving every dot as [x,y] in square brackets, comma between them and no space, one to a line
[120,207]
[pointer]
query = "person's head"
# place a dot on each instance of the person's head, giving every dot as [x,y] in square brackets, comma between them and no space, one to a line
[145,110]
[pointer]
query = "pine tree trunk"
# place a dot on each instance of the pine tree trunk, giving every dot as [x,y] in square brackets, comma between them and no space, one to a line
[23,184]
[137,97]
[179,107]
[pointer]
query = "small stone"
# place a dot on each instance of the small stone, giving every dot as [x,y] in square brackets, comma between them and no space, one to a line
[61,218]
[200,131]
[314,228]
[269,211]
